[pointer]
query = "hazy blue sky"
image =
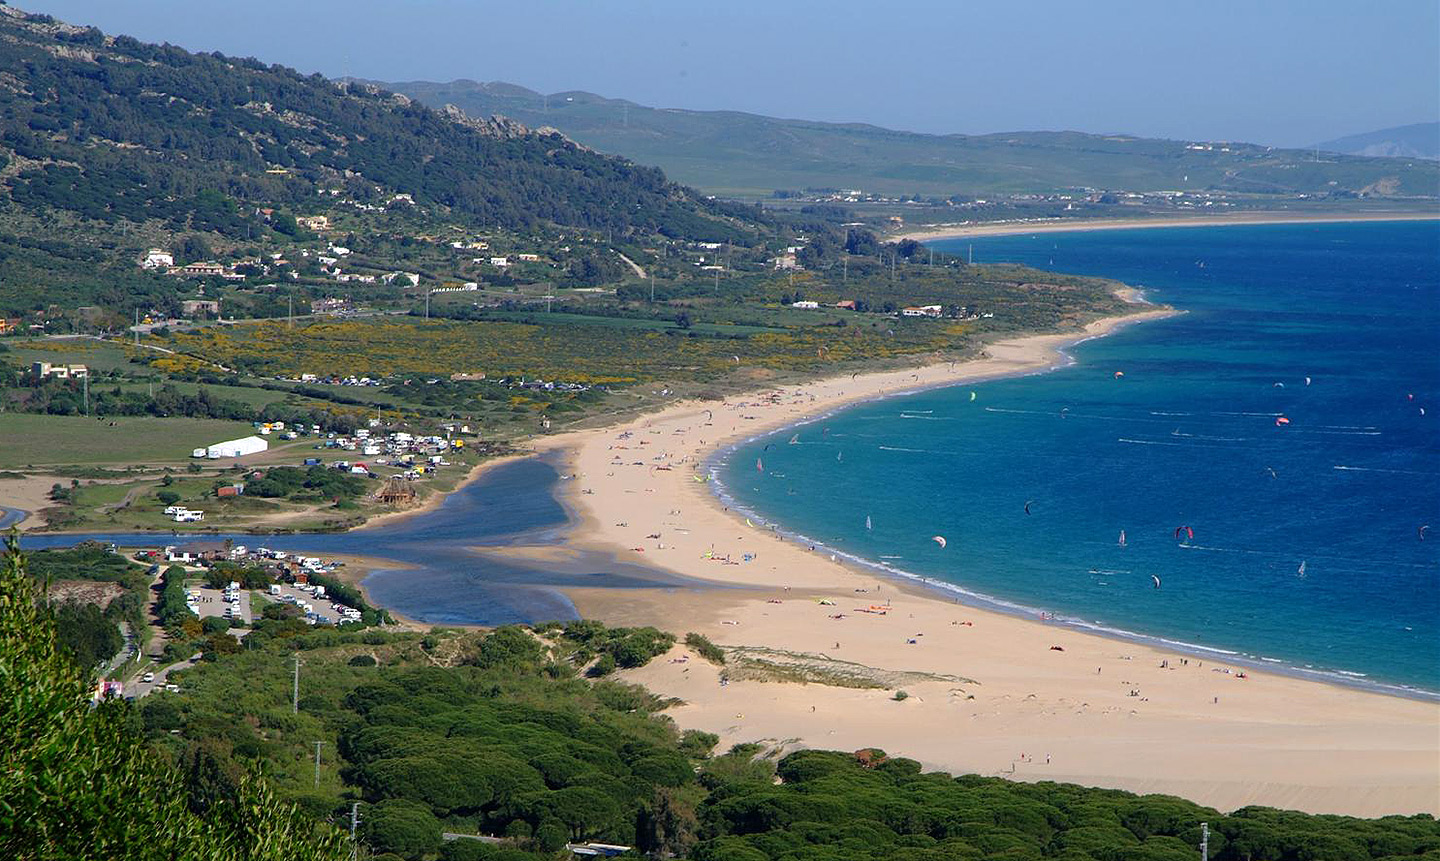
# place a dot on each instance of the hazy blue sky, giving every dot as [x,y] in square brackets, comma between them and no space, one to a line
[1282,73]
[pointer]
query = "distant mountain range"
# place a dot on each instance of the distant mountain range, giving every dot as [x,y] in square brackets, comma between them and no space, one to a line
[742,154]
[1420,140]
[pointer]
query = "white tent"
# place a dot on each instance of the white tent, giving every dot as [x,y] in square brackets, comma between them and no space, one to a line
[237,447]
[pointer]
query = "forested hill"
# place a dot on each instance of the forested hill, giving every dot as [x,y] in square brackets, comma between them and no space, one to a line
[109,128]
[730,152]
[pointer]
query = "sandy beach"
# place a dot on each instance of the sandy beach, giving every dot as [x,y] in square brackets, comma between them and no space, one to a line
[1011,228]
[987,693]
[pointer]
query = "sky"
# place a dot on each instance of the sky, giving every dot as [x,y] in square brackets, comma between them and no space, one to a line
[1279,72]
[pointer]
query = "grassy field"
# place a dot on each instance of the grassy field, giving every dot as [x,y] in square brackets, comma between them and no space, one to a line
[124,441]
[97,355]
[255,397]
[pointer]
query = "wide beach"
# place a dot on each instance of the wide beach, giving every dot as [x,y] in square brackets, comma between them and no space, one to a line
[987,693]
[1063,225]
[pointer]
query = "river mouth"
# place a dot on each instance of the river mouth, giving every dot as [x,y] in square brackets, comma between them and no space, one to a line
[473,560]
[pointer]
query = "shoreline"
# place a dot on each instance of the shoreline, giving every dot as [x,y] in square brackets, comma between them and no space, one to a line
[1013,228]
[1197,728]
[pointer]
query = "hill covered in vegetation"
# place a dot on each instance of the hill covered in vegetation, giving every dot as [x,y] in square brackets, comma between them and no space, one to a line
[731,152]
[108,143]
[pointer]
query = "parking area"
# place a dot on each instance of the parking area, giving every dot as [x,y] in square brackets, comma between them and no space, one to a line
[313,601]
[228,603]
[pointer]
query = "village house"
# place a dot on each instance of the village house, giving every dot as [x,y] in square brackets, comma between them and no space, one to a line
[199,270]
[197,551]
[922,311]
[528,258]
[785,261]
[501,262]
[314,222]
[9,324]
[191,307]
[157,259]
[805,303]
[846,304]
[41,370]
[412,277]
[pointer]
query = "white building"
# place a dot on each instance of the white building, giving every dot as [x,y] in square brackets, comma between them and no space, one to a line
[804,303]
[157,259]
[237,447]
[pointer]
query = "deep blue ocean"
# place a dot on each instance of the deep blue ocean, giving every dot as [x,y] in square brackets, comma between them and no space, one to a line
[1306,549]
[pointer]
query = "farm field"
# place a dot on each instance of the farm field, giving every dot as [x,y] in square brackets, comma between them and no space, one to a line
[30,439]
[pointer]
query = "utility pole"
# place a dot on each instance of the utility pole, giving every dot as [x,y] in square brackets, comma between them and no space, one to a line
[290,317]
[427,304]
[1204,841]
[137,327]
[86,386]
[295,690]
[845,269]
[317,763]
[652,288]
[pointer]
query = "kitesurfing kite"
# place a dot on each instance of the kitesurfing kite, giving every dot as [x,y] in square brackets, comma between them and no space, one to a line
[1281,421]
[939,539]
[768,446]
[972,397]
[1271,471]
[1119,374]
[1279,385]
[1187,531]
[1156,578]
[1027,505]
[1307,381]
[1422,531]
[1063,411]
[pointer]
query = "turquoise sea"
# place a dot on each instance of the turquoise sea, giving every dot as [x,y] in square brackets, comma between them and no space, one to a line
[1307,551]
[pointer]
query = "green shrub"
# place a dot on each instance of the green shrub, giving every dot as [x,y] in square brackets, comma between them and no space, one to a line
[705,648]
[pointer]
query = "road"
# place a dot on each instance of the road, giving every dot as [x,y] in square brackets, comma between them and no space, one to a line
[135,689]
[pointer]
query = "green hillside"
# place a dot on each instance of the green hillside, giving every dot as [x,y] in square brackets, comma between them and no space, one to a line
[729,152]
[109,145]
